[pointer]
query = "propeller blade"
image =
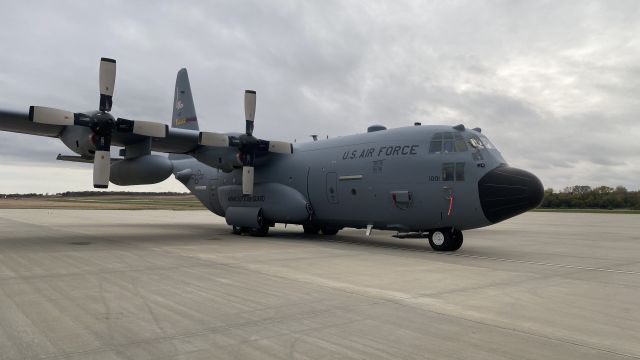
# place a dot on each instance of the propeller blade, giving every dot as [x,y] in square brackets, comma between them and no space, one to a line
[107,83]
[150,128]
[47,115]
[213,139]
[280,147]
[146,128]
[101,169]
[249,109]
[247,180]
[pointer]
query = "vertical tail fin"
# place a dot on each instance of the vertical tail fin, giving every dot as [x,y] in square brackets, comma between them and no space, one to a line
[184,112]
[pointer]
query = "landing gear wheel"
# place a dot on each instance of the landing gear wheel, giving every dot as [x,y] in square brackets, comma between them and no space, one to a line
[445,239]
[311,229]
[329,230]
[236,230]
[259,232]
[457,240]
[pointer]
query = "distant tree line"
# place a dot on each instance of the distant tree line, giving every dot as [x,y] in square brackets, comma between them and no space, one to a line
[94,193]
[586,197]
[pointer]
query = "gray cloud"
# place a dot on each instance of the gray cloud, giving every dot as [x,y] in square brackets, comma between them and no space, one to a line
[555,85]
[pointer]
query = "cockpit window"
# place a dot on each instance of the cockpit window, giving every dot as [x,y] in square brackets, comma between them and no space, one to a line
[486,142]
[448,142]
[461,145]
[436,143]
[476,142]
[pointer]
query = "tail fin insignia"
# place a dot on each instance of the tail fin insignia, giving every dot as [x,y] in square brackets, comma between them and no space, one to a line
[184,111]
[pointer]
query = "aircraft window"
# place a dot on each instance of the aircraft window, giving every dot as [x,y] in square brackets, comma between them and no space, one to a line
[448,172]
[476,142]
[461,145]
[486,142]
[436,146]
[460,171]
[448,146]
[436,143]
[448,143]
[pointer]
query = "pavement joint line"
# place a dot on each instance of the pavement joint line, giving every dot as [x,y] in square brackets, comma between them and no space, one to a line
[567,266]
[407,301]
[576,267]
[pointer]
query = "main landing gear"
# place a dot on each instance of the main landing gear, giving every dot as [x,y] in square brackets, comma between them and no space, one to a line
[258,232]
[445,239]
[315,229]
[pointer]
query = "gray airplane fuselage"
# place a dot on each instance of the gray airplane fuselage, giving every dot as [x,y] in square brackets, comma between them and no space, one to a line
[389,179]
[437,180]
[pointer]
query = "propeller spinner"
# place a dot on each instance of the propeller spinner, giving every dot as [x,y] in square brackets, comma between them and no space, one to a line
[101,123]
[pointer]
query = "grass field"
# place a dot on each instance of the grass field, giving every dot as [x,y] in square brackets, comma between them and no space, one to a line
[106,202]
[169,202]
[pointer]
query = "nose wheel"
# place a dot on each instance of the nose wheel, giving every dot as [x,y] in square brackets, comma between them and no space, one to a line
[445,239]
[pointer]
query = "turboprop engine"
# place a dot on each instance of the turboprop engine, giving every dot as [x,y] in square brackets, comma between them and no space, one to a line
[80,140]
[147,169]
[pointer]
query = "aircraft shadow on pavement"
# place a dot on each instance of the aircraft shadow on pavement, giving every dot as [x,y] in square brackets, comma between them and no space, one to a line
[199,232]
[189,233]
[354,239]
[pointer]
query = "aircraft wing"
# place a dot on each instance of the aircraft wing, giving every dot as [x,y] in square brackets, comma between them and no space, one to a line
[178,141]
[20,123]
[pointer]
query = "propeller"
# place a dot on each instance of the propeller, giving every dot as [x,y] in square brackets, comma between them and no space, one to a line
[101,123]
[248,145]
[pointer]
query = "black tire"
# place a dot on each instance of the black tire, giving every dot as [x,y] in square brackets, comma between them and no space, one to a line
[457,240]
[259,232]
[445,239]
[311,229]
[236,230]
[329,230]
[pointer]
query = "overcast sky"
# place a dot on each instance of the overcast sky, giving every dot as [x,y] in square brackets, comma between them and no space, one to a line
[554,84]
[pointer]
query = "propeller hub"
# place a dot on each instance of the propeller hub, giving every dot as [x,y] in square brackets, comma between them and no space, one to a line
[102,122]
[248,143]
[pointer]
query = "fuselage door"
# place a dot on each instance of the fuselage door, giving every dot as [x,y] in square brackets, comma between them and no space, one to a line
[448,178]
[454,190]
[332,187]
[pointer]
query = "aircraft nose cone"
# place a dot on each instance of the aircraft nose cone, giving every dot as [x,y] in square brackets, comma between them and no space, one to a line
[506,192]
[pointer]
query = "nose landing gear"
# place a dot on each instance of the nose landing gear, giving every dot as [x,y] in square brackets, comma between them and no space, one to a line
[445,239]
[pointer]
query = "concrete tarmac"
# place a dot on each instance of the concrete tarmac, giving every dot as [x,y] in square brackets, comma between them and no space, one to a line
[178,285]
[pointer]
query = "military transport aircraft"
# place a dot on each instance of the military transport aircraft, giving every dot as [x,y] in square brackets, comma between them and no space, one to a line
[435,180]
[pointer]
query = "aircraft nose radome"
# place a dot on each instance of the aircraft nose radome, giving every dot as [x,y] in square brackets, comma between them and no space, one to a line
[506,192]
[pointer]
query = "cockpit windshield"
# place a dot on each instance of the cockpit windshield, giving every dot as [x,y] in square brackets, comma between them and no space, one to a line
[455,142]
[480,142]
[447,142]
[486,142]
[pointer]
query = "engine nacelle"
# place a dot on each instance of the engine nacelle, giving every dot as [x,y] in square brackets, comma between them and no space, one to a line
[80,140]
[225,159]
[147,169]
